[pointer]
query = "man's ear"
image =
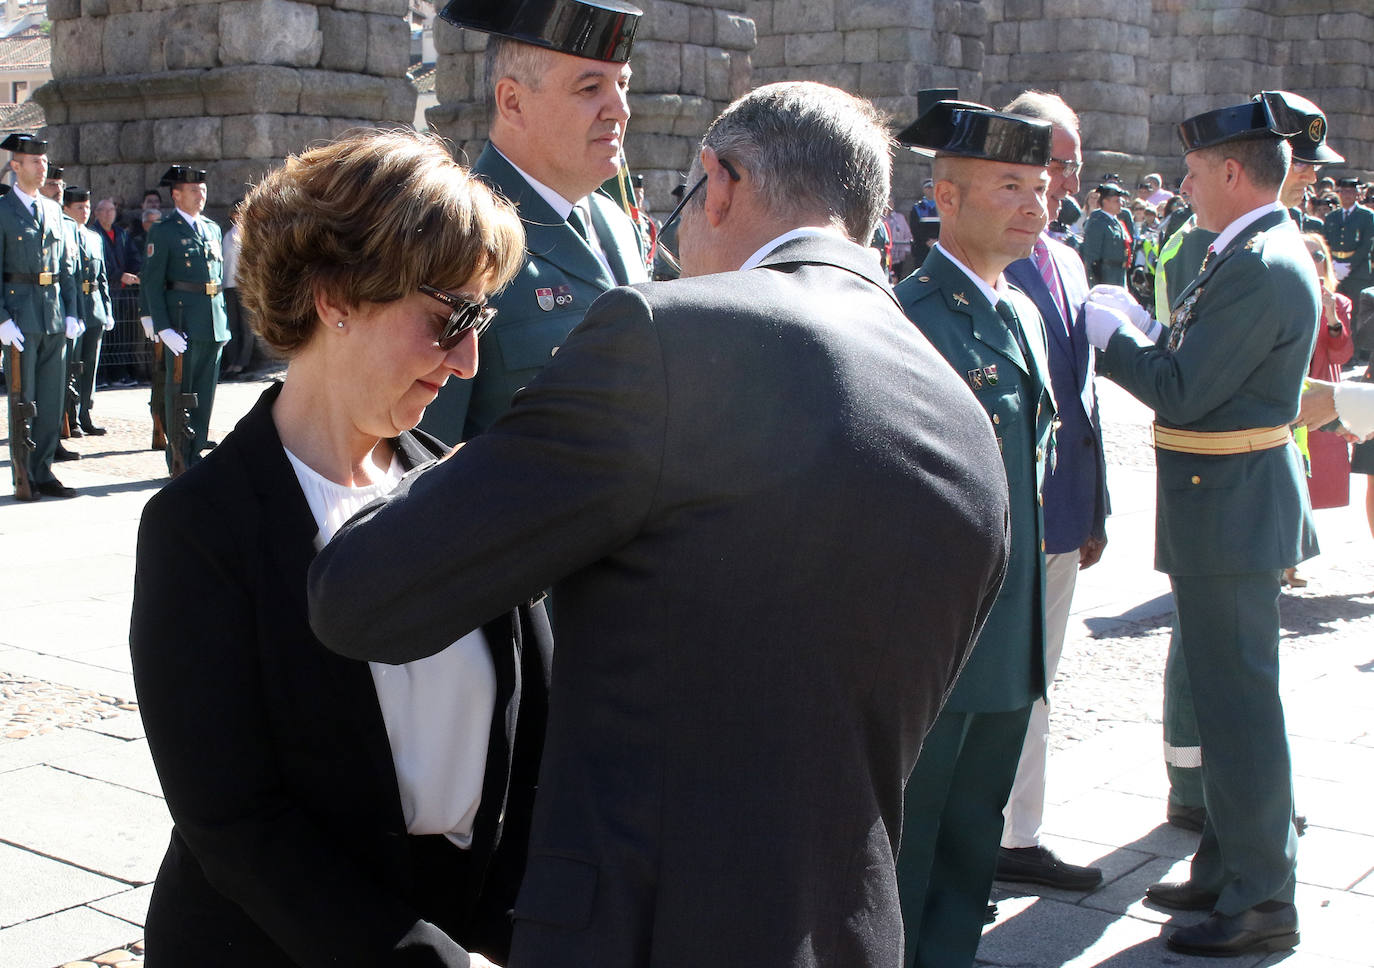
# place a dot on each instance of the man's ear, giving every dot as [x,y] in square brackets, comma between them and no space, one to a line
[946,194]
[509,100]
[720,188]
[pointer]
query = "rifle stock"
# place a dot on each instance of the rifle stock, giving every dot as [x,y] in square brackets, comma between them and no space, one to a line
[22,413]
[180,437]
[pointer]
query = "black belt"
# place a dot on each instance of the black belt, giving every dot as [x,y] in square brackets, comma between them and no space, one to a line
[32,278]
[204,288]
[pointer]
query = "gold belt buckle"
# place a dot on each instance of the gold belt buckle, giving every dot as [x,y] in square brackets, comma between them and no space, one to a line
[212,289]
[45,278]
[86,288]
[1343,256]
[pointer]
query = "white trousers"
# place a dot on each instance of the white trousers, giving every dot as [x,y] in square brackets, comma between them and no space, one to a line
[1025,809]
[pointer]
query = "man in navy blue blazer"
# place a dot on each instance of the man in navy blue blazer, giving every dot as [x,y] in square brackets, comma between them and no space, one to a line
[1074,494]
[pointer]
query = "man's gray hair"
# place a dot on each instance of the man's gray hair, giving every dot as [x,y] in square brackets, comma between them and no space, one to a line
[515,59]
[809,149]
[1265,159]
[1044,106]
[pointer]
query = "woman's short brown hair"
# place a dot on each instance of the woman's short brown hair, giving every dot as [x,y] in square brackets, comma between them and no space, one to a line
[367,219]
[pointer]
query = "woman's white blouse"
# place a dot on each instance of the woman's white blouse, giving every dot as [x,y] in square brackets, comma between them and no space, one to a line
[438,710]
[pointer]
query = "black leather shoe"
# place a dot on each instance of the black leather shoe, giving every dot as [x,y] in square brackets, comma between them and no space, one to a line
[91,430]
[991,914]
[1189,818]
[1039,865]
[74,429]
[54,488]
[1180,896]
[63,453]
[1253,930]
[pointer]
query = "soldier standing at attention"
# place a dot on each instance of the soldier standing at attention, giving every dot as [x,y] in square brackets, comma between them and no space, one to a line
[1105,240]
[181,286]
[1223,378]
[38,283]
[1349,231]
[990,187]
[97,311]
[557,76]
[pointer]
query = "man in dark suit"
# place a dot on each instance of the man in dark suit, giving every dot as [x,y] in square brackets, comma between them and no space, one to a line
[1074,492]
[773,520]
[558,73]
[990,184]
[123,259]
[1223,378]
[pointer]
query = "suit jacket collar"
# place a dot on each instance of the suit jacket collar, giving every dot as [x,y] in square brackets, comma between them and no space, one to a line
[834,251]
[963,298]
[547,236]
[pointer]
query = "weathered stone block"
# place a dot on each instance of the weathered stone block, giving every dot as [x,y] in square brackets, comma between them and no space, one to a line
[172,94]
[251,90]
[972,49]
[693,70]
[769,51]
[664,20]
[1114,131]
[54,106]
[1228,46]
[879,14]
[335,94]
[1297,27]
[134,6]
[89,8]
[887,78]
[184,139]
[448,39]
[800,50]
[971,19]
[306,131]
[1133,39]
[1023,9]
[1188,78]
[1347,50]
[135,141]
[657,151]
[254,136]
[741,74]
[1105,96]
[63,143]
[1339,75]
[1242,21]
[658,66]
[399,101]
[717,74]
[78,48]
[344,39]
[473,40]
[132,43]
[1195,23]
[860,47]
[734,32]
[98,144]
[761,12]
[1006,38]
[269,32]
[64,9]
[794,16]
[702,26]
[451,82]
[395,8]
[192,38]
[913,45]
[388,45]
[232,178]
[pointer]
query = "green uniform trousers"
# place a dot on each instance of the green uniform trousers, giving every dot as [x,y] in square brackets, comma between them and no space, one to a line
[1182,746]
[961,782]
[199,375]
[88,353]
[1229,641]
[43,374]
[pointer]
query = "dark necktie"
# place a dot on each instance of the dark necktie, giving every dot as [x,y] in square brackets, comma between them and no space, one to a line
[579,225]
[1013,321]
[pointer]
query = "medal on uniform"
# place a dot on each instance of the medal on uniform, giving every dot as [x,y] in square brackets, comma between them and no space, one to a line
[545,298]
[975,379]
[1182,318]
[563,295]
[990,372]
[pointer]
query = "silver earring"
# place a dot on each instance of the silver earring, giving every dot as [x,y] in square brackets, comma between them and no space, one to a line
[340,324]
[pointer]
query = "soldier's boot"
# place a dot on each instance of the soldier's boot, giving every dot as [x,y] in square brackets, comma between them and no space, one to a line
[159,433]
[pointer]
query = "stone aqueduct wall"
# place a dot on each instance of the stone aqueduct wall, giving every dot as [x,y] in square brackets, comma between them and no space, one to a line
[237,85]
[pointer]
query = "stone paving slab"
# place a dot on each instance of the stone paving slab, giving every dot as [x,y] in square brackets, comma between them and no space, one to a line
[125,726]
[76,627]
[129,765]
[71,672]
[1326,760]
[34,885]
[1126,895]
[1338,804]
[1334,858]
[18,754]
[130,905]
[1121,819]
[103,828]
[48,941]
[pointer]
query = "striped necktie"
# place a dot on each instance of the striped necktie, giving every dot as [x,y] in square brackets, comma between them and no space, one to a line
[1043,262]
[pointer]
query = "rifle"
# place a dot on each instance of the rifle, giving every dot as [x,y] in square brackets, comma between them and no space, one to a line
[180,437]
[22,414]
[74,370]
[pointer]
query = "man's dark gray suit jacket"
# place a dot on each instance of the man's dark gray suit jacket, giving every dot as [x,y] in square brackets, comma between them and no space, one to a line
[773,519]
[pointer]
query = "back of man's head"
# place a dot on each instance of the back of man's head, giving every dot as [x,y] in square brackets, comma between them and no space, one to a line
[1044,106]
[1264,159]
[812,151]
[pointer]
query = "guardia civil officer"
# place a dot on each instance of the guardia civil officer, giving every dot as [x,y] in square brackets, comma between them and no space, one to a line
[990,188]
[38,282]
[1349,232]
[1106,242]
[557,76]
[181,285]
[1223,377]
[96,309]
[1310,152]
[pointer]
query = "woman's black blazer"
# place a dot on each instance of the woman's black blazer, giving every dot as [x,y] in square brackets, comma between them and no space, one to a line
[288,845]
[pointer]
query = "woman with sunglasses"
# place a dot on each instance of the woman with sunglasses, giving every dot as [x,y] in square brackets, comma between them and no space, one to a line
[326,811]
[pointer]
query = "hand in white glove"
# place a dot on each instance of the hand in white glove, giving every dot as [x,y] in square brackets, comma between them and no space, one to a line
[1121,300]
[1101,321]
[147,322]
[1341,269]
[75,327]
[10,335]
[109,323]
[173,340]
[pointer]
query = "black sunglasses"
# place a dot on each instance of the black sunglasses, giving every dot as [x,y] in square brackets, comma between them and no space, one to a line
[467,317]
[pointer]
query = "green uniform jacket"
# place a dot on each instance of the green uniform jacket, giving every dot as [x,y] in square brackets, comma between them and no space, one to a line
[175,254]
[1353,233]
[1006,669]
[26,249]
[1305,222]
[1242,334]
[1104,249]
[536,312]
[92,281]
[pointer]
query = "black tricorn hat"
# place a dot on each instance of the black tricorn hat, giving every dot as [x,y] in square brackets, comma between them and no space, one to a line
[968,130]
[55,172]
[1108,189]
[182,175]
[1349,182]
[25,144]
[1069,211]
[1309,145]
[601,30]
[72,194]
[1268,114]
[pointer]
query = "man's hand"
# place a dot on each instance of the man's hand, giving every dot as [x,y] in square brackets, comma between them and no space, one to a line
[129,279]
[109,324]
[75,327]
[173,340]
[10,335]
[1091,552]
[147,324]
[1318,404]
[1122,301]
[1101,321]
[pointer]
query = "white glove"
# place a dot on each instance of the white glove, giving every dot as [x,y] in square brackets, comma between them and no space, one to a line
[1121,300]
[1341,269]
[10,335]
[109,323]
[1355,406]
[173,340]
[75,327]
[1101,322]
[147,322]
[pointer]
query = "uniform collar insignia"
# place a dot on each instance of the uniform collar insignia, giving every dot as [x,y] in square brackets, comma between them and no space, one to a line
[960,299]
